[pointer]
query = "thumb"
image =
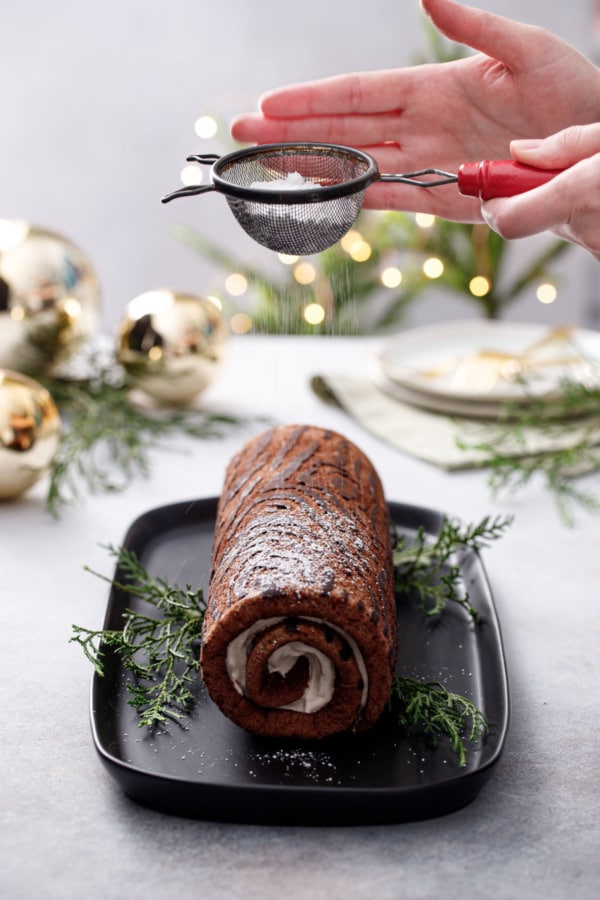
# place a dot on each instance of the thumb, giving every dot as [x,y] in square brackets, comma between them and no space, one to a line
[496,36]
[560,150]
[567,205]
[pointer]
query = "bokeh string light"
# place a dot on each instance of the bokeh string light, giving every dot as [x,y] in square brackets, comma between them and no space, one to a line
[479,285]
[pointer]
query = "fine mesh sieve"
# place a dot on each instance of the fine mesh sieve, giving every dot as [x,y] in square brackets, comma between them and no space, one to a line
[260,185]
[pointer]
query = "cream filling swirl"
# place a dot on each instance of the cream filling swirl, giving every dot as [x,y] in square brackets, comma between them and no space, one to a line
[321,678]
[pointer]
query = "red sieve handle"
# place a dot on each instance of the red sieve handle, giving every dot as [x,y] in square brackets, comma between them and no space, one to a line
[500,178]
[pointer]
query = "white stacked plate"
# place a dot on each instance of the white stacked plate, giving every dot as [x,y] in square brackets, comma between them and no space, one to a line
[478,367]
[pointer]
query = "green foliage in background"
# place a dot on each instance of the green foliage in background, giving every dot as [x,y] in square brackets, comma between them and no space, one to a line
[351,293]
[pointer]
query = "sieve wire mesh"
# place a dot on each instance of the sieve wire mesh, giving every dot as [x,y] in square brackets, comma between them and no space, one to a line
[310,223]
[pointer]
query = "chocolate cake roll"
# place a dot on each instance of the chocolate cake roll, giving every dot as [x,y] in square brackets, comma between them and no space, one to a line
[300,630]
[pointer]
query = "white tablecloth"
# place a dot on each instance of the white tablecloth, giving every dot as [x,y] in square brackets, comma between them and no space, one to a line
[68,831]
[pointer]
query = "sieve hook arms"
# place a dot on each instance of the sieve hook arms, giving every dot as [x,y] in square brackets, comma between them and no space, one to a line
[205,158]
[414,178]
[189,190]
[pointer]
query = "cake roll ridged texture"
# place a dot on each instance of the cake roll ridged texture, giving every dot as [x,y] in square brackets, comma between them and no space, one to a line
[300,632]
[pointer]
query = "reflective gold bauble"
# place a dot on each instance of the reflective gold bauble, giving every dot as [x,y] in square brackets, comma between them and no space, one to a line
[29,433]
[172,344]
[49,298]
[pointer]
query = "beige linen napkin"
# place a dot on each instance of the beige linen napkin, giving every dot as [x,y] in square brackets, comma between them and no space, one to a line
[447,441]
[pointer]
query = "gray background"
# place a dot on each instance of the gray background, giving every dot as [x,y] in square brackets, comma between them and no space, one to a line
[99,102]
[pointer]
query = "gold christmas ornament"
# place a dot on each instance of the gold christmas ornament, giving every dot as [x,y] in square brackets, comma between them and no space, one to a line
[172,344]
[29,433]
[49,297]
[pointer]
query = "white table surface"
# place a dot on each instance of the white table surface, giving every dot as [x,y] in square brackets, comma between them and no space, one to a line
[67,830]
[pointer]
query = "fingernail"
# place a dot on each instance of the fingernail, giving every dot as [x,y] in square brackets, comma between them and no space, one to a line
[526,144]
[487,215]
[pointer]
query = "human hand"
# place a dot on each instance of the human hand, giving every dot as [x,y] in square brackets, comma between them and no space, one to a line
[524,82]
[569,205]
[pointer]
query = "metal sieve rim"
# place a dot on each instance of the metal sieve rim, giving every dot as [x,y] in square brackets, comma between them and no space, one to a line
[302,195]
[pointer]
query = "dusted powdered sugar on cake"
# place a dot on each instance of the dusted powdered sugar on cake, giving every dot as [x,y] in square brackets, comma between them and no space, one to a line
[300,630]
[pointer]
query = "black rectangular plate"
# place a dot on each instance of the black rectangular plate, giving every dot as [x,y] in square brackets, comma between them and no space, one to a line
[209,768]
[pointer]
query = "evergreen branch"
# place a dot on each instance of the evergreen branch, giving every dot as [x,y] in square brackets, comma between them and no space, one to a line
[425,565]
[431,708]
[571,423]
[558,469]
[107,438]
[160,654]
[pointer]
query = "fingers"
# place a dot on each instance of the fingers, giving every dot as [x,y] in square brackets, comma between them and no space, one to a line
[559,150]
[357,109]
[384,91]
[354,93]
[496,36]
[360,131]
[531,213]
[374,92]
[569,205]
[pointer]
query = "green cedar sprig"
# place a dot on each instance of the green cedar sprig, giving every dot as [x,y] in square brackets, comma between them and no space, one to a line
[429,567]
[160,652]
[108,439]
[432,709]
[574,411]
